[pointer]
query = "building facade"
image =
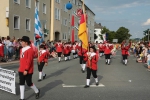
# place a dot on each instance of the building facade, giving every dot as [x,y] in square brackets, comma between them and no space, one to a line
[98,37]
[18,17]
[63,19]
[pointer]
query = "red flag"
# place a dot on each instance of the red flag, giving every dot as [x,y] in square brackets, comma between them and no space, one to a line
[72,35]
[72,20]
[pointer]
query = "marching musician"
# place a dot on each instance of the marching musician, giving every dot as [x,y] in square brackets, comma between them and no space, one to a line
[125,51]
[26,67]
[43,60]
[59,49]
[107,52]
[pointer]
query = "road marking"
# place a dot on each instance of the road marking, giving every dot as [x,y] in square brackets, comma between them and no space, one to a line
[72,86]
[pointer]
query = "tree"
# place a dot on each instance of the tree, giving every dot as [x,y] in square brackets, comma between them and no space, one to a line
[111,35]
[105,30]
[122,34]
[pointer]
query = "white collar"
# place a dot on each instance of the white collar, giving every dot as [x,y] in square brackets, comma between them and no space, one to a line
[42,51]
[92,54]
[0,44]
[25,48]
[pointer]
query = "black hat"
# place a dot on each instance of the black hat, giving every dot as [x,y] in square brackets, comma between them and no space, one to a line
[26,39]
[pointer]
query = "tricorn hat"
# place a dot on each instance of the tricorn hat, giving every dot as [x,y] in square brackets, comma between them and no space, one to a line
[26,39]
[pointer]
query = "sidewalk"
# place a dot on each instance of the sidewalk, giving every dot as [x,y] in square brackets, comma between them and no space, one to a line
[17,61]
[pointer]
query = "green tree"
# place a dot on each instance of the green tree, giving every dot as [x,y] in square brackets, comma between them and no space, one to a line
[105,30]
[111,35]
[122,34]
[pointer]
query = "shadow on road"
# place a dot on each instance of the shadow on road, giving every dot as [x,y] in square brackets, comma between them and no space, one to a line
[57,73]
[48,87]
[99,79]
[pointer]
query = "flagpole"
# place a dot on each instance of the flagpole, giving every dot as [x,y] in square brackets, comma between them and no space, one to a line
[37,41]
[83,8]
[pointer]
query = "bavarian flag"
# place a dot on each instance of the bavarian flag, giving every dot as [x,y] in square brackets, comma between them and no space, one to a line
[83,32]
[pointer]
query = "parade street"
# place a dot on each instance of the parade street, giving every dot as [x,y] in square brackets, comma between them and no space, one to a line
[65,81]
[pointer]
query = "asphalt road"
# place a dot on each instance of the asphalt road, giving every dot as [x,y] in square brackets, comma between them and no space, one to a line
[65,81]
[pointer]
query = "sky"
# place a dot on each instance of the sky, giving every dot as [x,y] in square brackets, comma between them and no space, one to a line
[132,14]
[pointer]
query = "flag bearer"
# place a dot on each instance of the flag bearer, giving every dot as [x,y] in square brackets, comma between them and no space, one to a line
[92,59]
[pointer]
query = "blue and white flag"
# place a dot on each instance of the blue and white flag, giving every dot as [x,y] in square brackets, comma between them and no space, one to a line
[38,30]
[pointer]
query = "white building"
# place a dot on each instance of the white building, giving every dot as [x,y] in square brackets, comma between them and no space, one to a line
[98,37]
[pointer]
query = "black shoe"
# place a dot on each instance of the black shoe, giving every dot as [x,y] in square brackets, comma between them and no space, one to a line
[58,61]
[86,86]
[37,94]
[106,63]
[83,71]
[97,84]
[44,76]
[21,99]
[39,80]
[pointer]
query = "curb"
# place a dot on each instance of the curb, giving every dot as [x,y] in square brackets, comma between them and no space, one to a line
[14,62]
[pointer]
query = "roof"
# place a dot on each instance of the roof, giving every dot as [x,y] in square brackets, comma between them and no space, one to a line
[88,8]
[98,25]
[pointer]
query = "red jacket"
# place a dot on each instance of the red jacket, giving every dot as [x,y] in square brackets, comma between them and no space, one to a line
[43,56]
[81,51]
[93,62]
[125,49]
[74,47]
[59,47]
[66,50]
[69,47]
[26,59]
[101,47]
[1,50]
[107,49]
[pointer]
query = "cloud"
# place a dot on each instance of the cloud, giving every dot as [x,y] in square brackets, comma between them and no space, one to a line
[146,23]
[110,9]
[129,5]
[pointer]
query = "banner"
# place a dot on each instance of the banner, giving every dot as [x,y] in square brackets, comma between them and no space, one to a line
[7,80]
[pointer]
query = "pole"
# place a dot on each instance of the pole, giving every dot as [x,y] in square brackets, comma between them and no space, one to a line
[148,35]
[37,40]
[52,21]
[83,7]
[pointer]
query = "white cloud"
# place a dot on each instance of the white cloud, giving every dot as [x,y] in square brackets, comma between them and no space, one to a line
[133,4]
[146,23]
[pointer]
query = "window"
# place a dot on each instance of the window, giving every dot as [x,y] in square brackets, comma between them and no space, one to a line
[74,1]
[65,9]
[64,36]
[37,4]
[57,14]
[76,37]
[57,1]
[28,24]
[28,3]
[17,1]
[65,22]
[16,22]
[44,8]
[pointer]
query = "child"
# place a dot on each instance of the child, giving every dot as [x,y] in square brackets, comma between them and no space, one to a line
[92,59]
[26,67]
[43,59]
[148,61]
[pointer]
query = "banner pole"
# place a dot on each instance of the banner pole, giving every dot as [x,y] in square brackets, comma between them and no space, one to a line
[83,8]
